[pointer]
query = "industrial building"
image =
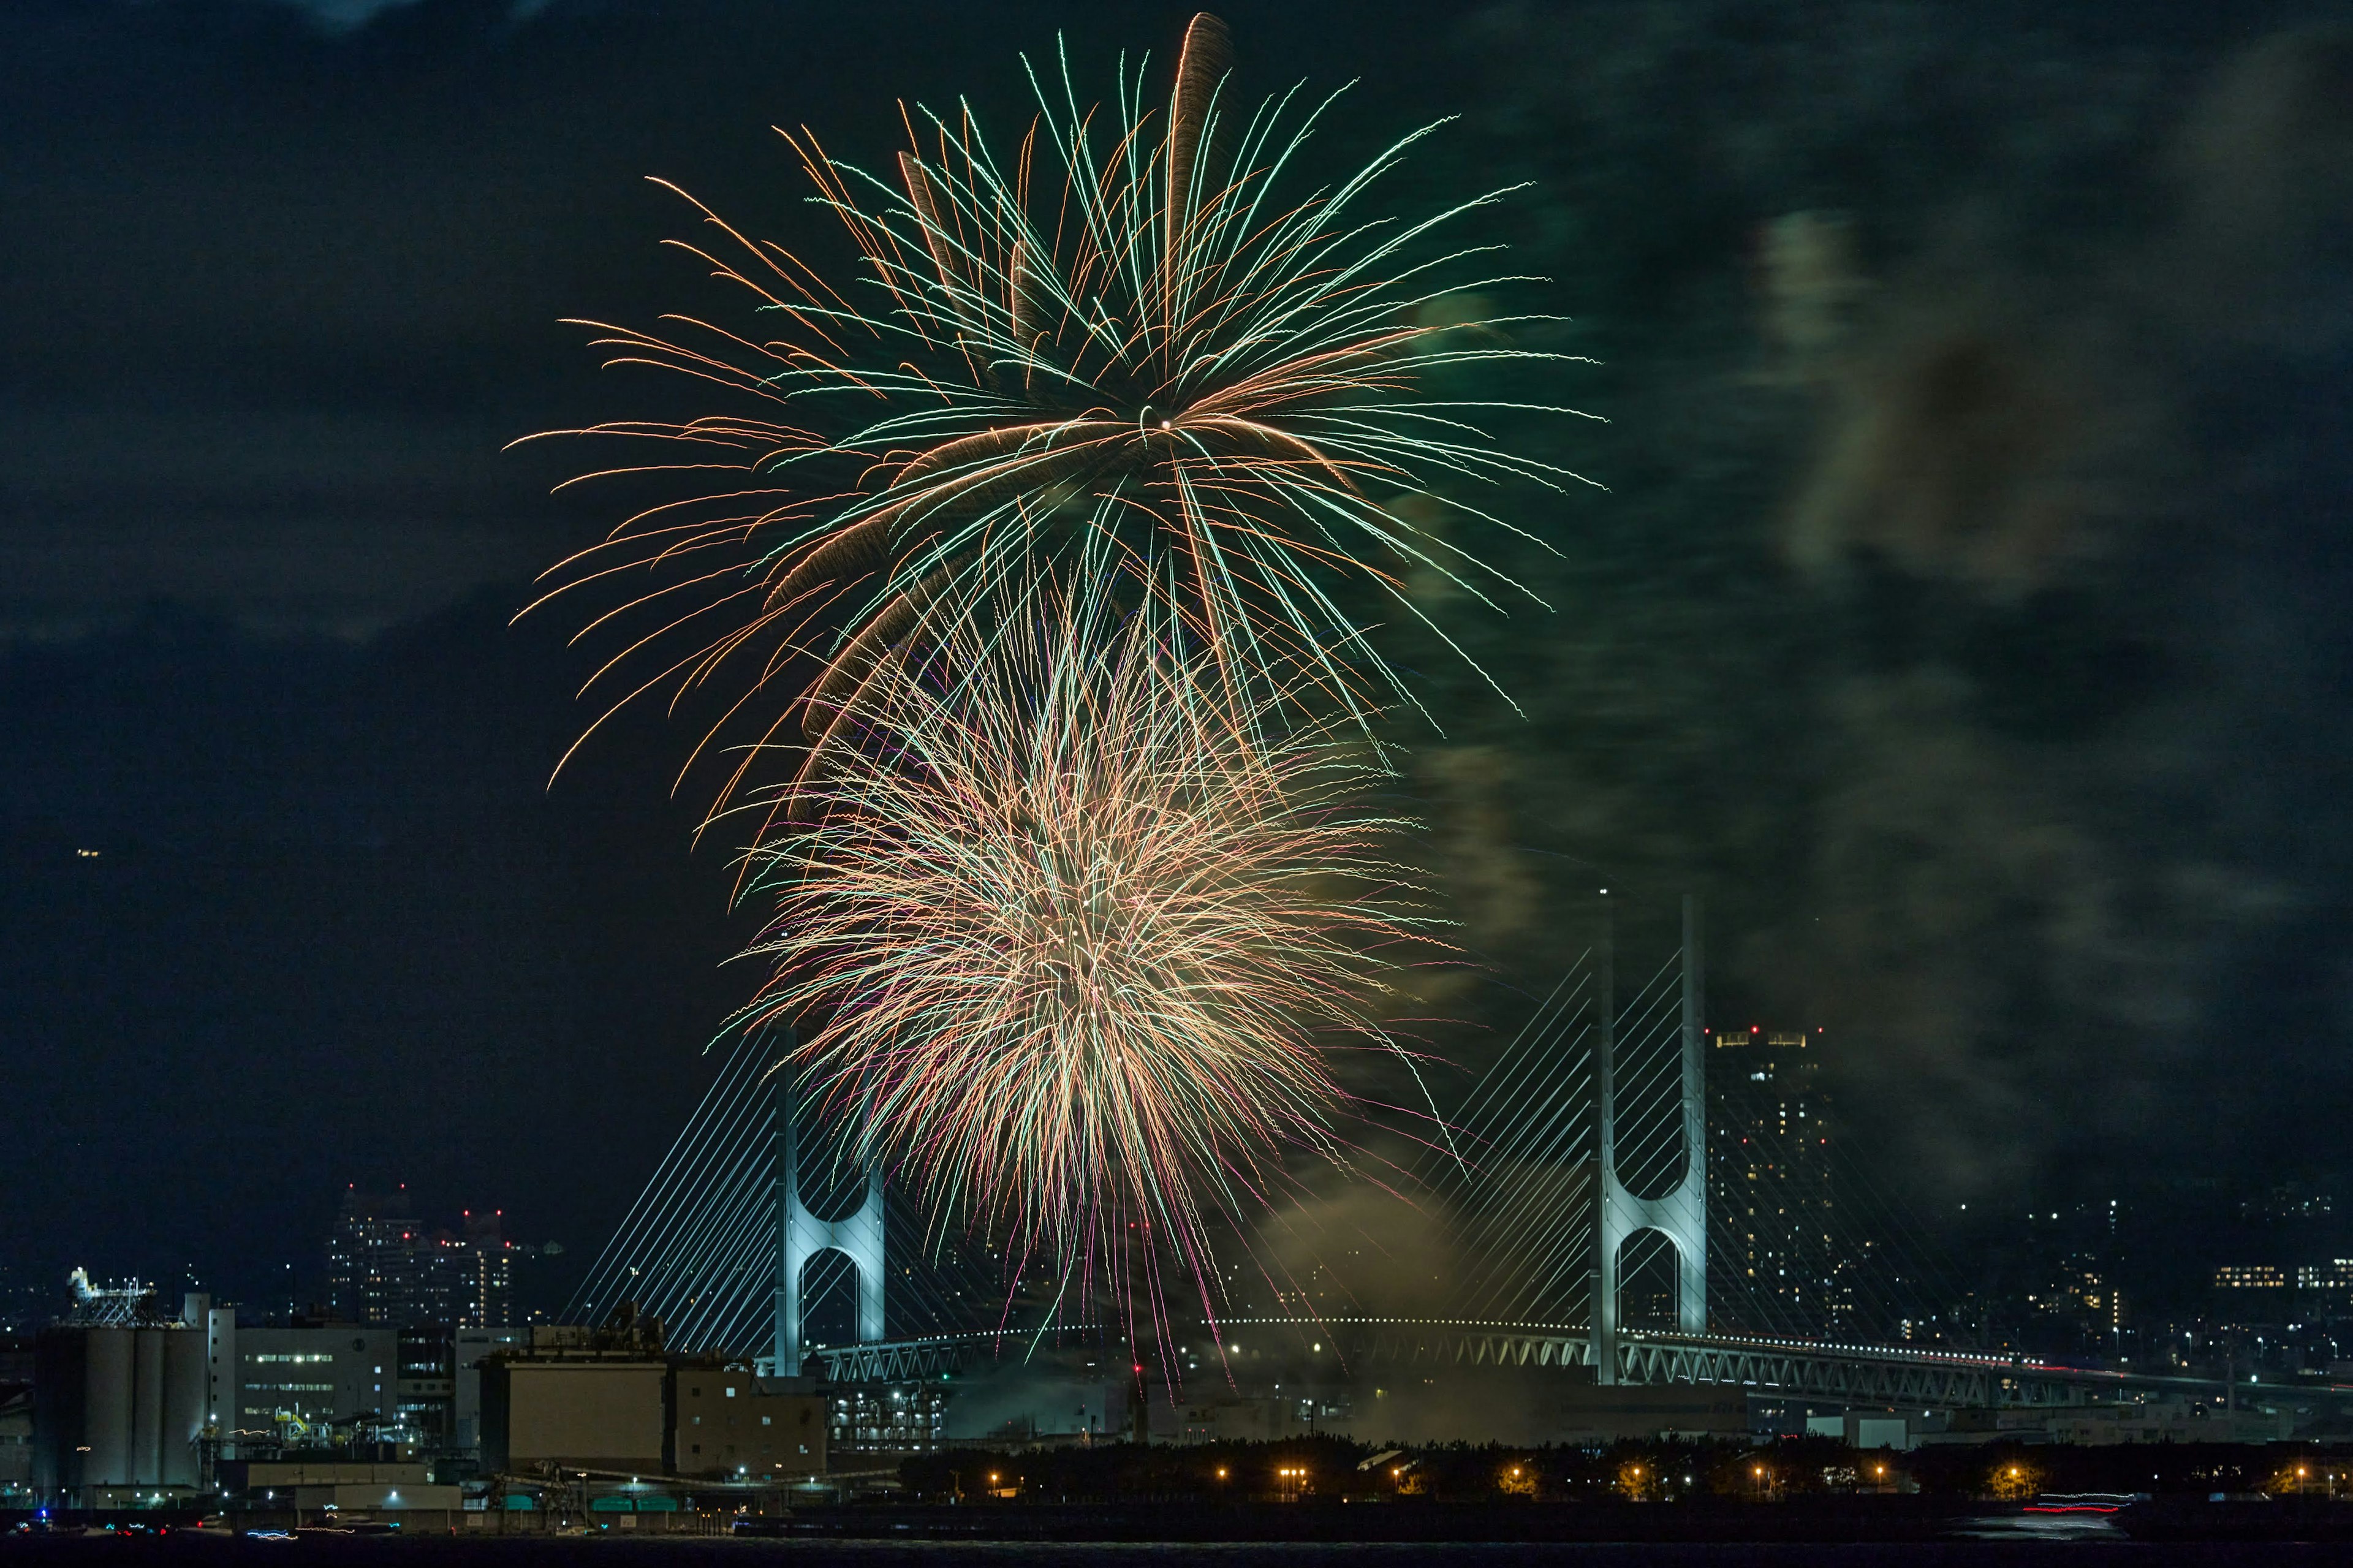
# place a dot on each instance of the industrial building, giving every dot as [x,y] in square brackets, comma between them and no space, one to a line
[469,1348]
[624,1408]
[309,1485]
[575,1408]
[119,1403]
[276,1385]
[15,1443]
[728,1423]
[131,1403]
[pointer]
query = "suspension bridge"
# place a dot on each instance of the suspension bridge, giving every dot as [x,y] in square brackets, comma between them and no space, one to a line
[1581,1199]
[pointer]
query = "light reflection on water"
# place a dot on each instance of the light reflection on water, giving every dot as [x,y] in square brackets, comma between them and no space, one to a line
[2040,1526]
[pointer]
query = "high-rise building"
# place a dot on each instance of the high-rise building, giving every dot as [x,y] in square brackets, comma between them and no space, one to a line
[1777,1263]
[368,1257]
[384,1268]
[487,1300]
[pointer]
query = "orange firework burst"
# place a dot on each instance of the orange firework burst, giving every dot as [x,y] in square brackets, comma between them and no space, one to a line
[1081,941]
[1119,335]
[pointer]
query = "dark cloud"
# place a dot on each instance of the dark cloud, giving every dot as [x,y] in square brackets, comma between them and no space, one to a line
[1969,616]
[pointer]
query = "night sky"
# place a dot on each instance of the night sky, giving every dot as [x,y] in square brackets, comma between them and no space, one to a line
[1990,675]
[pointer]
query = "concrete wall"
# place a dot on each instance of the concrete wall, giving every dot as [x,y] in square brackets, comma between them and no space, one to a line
[471,1348]
[378,1497]
[260,1475]
[597,1415]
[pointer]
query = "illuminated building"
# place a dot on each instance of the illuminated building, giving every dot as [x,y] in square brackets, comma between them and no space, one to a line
[2327,1285]
[384,1267]
[463,1280]
[1777,1265]
[294,1386]
[2250,1277]
[368,1257]
[902,1418]
[2081,1291]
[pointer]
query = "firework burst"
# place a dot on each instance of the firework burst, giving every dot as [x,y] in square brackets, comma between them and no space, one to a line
[1119,332]
[1081,940]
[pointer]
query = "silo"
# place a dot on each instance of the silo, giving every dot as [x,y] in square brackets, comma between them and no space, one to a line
[107,1407]
[184,1405]
[147,1407]
[61,1411]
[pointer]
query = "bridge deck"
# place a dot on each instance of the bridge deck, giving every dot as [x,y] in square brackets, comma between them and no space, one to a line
[1885,1374]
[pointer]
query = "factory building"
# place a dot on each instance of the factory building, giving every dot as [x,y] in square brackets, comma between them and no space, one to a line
[308,1484]
[271,1386]
[119,1408]
[626,1409]
[576,1408]
[727,1423]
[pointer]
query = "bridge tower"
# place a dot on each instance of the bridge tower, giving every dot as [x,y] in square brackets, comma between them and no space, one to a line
[1679,1214]
[801,1236]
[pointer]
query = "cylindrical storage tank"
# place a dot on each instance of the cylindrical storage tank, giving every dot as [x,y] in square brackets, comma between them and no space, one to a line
[147,1412]
[61,1411]
[107,1407]
[183,1404]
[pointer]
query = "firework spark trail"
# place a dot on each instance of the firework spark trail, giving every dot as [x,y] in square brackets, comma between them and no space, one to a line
[1123,333]
[1083,940]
